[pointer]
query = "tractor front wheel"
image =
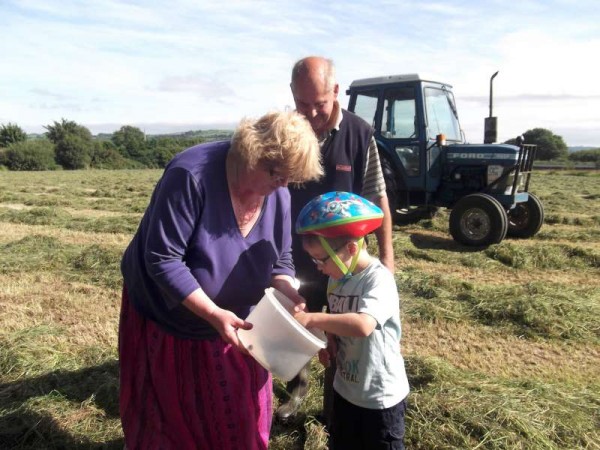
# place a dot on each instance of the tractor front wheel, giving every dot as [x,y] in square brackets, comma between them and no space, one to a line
[478,220]
[526,218]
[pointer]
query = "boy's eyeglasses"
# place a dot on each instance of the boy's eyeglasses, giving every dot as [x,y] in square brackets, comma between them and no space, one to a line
[323,261]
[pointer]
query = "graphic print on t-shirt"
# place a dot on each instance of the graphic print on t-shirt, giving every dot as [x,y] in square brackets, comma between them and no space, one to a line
[339,304]
[347,366]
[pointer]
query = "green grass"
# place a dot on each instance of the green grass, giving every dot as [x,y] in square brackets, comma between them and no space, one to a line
[88,264]
[502,345]
[506,414]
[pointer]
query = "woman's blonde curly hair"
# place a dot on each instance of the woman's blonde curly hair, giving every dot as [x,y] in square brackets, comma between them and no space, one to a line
[282,141]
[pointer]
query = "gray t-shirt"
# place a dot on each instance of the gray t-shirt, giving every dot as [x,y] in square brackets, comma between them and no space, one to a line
[370,371]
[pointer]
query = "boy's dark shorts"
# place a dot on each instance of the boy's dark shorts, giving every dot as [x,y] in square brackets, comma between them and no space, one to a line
[354,428]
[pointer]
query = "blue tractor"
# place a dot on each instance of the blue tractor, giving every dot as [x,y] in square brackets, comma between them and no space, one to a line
[427,164]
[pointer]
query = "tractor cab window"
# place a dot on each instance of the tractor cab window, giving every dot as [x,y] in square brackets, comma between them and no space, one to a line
[399,114]
[366,106]
[442,117]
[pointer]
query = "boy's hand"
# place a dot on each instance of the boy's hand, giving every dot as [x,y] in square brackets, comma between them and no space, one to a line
[302,317]
[299,307]
[329,353]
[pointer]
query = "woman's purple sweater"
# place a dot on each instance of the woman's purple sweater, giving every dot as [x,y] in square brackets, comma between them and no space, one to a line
[189,238]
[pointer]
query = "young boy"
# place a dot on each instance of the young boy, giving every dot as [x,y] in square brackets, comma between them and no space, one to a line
[363,325]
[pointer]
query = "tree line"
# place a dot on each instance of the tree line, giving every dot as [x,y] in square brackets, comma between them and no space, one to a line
[68,145]
[71,146]
[551,147]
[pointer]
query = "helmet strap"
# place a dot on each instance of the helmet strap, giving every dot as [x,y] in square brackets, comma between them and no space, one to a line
[347,271]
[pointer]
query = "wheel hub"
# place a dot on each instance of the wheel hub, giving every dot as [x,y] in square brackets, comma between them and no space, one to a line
[519,217]
[475,223]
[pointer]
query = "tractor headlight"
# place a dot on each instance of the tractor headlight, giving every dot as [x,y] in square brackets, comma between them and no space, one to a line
[493,173]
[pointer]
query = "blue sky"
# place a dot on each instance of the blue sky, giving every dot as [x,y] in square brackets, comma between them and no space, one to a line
[189,64]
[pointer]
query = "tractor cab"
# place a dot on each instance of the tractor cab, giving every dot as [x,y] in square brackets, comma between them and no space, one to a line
[408,114]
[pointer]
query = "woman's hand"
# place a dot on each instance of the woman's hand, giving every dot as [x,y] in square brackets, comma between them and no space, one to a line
[227,323]
[224,321]
[288,286]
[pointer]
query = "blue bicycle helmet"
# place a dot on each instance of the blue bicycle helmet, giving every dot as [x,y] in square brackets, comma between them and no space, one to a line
[337,214]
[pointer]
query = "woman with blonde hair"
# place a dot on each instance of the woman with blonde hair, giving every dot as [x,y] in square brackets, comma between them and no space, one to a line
[216,233]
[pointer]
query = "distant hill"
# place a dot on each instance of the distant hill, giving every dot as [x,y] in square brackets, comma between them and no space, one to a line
[103,136]
[209,135]
[36,135]
[206,134]
[578,148]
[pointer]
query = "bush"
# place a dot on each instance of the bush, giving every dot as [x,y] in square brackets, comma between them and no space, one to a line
[74,152]
[10,134]
[30,155]
[131,143]
[106,156]
[549,145]
[592,155]
[60,130]
[163,149]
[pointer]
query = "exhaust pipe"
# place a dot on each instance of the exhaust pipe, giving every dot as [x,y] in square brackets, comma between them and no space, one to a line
[491,123]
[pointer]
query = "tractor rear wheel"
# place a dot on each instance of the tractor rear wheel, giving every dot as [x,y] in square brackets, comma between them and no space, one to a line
[402,213]
[526,218]
[478,220]
[391,184]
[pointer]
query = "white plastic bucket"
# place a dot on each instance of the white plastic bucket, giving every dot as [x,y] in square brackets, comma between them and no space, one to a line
[277,341]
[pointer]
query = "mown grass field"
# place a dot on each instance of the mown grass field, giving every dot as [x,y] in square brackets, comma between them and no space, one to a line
[502,345]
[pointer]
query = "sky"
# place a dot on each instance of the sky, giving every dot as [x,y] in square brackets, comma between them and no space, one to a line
[183,65]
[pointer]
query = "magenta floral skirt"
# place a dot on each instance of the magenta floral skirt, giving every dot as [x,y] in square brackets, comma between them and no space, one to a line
[189,394]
